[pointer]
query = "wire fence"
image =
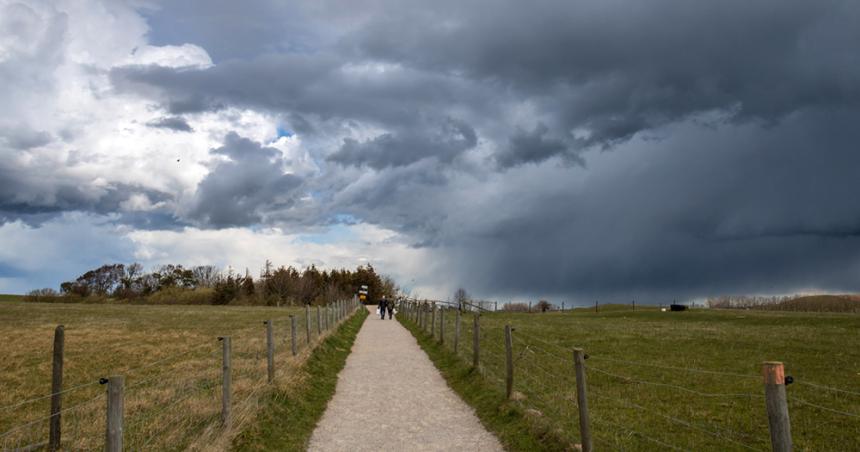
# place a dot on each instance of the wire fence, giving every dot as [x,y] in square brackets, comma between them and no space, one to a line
[637,404]
[174,402]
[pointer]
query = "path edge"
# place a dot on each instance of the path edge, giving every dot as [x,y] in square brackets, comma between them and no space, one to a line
[504,419]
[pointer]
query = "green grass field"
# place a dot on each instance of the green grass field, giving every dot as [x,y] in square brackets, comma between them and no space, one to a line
[689,380]
[8,297]
[170,356]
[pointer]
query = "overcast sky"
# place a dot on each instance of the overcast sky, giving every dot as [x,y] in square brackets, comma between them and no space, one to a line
[570,150]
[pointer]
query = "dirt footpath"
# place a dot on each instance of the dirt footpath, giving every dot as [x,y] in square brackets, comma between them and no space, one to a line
[390,397]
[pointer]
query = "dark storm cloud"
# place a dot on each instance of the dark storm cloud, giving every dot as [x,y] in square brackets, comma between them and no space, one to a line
[176,123]
[733,210]
[240,190]
[618,68]
[532,147]
[25,196]
[405,148]
[23,138]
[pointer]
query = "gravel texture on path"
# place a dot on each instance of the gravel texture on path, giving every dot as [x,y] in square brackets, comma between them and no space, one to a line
[390,397]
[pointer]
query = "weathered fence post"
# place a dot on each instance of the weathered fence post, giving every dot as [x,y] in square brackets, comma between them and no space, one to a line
[293,335]
[509,362]
[777,406]
[496,306]
[595,306]
[442,326]
[530,306]
[319,320]
[457,332]
[225,381]
[476,339]
[56,389]
[270,350]
[433,322]
[308,323]
[113,432]
[582,399]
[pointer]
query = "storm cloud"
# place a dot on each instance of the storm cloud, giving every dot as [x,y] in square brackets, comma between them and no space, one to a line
[575,150]
[242,188]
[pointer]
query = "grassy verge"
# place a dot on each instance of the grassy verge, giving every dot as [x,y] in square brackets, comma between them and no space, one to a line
[515,427]
[289,415]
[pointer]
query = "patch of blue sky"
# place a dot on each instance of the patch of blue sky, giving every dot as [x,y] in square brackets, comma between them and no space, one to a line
[335,233]
[345,218]
[282,132]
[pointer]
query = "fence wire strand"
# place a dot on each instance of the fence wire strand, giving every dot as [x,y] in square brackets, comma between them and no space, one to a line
[36,399]
[814,405]
[668,385]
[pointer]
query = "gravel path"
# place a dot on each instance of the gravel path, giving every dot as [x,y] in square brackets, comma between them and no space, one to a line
[391,397]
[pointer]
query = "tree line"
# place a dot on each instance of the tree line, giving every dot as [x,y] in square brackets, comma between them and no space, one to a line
[206,284]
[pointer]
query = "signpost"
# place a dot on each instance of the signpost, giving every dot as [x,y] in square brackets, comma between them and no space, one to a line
[362,293]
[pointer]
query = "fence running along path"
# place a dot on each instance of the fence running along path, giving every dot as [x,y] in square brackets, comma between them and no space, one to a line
[154,406]
[602,399]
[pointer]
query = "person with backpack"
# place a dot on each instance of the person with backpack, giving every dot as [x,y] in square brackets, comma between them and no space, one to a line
[383,305]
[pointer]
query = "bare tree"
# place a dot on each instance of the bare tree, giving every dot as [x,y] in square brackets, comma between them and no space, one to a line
[461,297]
[206,275]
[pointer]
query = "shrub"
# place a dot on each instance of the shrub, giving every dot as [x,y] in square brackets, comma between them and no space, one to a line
[45,295]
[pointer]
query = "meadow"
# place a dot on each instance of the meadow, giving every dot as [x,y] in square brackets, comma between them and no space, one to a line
[668,380]
[170,357]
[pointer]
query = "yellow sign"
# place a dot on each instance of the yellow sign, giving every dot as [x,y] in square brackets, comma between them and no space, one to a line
[362,297]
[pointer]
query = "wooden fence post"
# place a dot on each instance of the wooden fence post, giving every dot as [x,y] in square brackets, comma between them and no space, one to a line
[293,335]
[582,399]
[56,389]
[530,306]
[113,432]
[308,323]
[777,406]
[270,350]
[433,322]
[476,339]
[509,362]
[595,306]
[225,381]
[319,321]
[442,326]
[457,332]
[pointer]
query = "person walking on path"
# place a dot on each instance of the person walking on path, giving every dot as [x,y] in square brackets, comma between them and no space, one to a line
[390,306]
[383,304]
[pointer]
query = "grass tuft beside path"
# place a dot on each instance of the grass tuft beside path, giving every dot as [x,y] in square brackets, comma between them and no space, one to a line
[289,415]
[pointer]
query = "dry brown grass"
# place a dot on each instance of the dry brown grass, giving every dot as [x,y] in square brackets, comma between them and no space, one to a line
[171,359]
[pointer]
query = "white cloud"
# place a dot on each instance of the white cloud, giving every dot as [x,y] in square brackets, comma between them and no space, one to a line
[242,248]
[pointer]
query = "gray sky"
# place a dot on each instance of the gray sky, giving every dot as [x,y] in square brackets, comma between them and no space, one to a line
[574,150]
